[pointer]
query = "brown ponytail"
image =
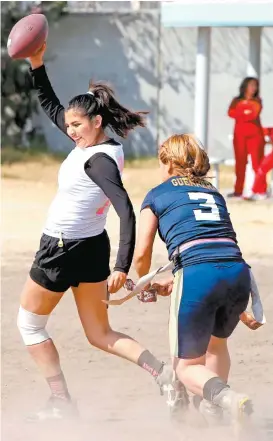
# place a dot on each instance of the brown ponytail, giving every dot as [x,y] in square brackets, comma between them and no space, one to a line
[187,156]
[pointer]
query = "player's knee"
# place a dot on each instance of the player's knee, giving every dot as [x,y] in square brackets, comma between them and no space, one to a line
[32,327]
[100,338]
[96,340]
[183,366]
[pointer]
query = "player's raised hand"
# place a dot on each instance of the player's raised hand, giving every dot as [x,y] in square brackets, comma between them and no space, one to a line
[37,59]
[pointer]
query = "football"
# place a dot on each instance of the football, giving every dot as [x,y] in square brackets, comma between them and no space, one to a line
[27,36]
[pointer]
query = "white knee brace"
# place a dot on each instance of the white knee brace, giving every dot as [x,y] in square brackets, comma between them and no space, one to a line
[32,327]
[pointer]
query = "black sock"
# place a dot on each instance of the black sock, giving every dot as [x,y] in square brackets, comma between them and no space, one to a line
[213,387]
[151,364]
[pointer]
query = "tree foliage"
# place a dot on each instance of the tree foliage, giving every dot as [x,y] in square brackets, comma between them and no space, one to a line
[18,103]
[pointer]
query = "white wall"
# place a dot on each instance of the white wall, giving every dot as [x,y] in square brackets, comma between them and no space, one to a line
[124,52]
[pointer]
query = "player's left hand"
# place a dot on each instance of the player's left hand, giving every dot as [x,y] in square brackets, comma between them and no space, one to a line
[116,281]
[163,288]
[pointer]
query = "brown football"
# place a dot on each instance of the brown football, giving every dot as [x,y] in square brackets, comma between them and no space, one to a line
[27,36]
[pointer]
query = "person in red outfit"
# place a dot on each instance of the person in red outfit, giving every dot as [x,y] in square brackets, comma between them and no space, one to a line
[259,189]
[248,133]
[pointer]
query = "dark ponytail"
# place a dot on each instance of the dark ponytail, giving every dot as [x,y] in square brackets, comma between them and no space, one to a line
[100,100]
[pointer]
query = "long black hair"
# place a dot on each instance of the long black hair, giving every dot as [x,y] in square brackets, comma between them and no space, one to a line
[243,87]
[100,100]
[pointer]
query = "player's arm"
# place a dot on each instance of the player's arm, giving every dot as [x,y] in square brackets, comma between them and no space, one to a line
[148,224]
[244,111]
[49,101]
[103,170]
[233,109]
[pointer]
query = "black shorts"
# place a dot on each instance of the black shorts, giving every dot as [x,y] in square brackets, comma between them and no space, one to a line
[78,261]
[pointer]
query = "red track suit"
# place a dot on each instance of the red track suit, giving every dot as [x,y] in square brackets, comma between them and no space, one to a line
[265,166]
[248,137]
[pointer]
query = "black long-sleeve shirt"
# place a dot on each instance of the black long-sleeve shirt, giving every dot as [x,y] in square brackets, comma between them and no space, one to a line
[100,168]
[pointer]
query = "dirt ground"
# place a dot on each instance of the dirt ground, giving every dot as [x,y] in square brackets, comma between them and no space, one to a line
[117,401]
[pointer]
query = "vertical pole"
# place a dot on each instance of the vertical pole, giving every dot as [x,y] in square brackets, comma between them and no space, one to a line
[253,70]
[159,78]
[202,78]
[254,58]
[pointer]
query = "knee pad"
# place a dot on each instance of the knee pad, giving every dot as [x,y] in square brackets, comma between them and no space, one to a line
[32,327]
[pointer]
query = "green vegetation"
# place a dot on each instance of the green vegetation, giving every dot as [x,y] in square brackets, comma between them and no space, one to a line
[12,155]
[18,102]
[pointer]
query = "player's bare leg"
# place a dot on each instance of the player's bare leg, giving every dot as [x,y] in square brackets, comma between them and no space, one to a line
[36,305]
[170,386]
[94,317]
[203,382]
[217,357]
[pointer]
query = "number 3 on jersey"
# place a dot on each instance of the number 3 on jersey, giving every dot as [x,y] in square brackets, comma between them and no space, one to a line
[210,203]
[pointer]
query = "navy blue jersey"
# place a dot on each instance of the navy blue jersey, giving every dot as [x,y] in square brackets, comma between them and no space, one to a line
[187,211]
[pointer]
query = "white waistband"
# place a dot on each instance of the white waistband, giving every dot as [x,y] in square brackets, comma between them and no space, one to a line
[72,235]
[190,244]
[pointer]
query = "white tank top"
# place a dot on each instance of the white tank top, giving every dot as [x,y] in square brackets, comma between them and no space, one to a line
[80,207]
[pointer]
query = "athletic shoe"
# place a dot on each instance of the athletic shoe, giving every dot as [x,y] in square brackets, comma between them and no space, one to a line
[234,195]
[212,413]
[196,401]
[177,397]
[256,197]
[55,409]
[238,405]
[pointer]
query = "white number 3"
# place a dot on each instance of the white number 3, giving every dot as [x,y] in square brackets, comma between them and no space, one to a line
[200,215]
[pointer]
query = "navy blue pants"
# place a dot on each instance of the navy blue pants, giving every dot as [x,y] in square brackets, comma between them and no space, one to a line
[207,299]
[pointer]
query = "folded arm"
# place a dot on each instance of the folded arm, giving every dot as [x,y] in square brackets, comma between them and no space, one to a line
[244,112]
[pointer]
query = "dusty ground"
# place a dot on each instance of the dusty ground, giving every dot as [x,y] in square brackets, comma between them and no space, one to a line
[117,401]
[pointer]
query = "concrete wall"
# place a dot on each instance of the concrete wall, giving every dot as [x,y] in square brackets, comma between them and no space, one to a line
[123,50]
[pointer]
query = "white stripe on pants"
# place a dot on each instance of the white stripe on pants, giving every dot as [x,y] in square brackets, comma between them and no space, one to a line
[176,298]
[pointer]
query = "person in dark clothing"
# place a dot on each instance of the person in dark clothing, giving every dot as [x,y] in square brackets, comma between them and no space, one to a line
[211,284]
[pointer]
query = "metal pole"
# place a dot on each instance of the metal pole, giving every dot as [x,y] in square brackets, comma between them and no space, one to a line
[253,70]
[254,58]
[202,85]
[159,78]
